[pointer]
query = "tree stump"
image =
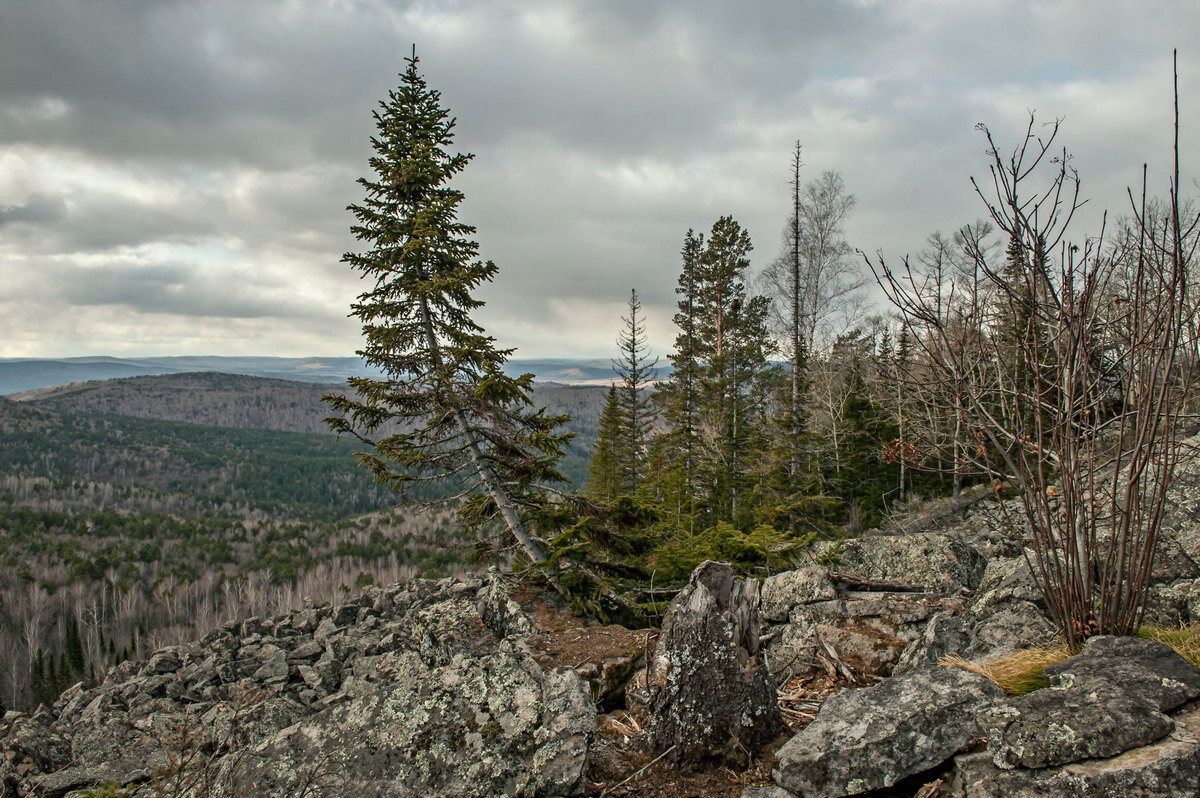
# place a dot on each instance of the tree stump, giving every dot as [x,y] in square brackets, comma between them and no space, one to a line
[711,695]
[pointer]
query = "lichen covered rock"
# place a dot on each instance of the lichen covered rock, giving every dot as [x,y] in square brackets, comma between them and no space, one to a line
[781,592]
[1169,768]
[494,725]
[1093,718]
[943,563]
[413,689]
[1147,669]
[872,738]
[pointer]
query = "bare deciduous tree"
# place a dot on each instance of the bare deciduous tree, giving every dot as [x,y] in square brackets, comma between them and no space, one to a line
[1078,403]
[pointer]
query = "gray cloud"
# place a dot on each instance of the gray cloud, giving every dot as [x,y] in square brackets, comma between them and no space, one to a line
[182,167]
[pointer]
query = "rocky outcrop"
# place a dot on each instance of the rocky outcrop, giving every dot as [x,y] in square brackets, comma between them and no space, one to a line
[871,738]
[418,687]
[869,631]
[781,593]
[942,563]
[1146,669]
[1008,612]
[1108,699]
[946,633]
[483,726]
[711,696]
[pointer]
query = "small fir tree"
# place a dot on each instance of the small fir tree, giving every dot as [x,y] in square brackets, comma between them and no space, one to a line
[635,372]
[604,468]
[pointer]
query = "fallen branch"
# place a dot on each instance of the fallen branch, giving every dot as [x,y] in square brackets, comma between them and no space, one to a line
[854,581]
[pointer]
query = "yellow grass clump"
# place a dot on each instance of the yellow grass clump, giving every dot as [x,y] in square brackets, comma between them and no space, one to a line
[1023,671]
[1017,673]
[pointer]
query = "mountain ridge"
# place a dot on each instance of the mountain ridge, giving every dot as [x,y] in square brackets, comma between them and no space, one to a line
[18,375]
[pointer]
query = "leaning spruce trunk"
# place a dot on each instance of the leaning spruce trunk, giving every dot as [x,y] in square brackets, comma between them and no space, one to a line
[711,695]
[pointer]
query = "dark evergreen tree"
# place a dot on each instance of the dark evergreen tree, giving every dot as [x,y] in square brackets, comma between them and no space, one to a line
[679,401]
[444,408]
[604,469]
[37,678]
[711,404]
[75,660]
[635,372]
[866,481]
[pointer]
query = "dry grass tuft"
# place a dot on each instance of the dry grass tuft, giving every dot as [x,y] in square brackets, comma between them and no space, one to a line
[1018,673]
[1023,671]
[1184,638]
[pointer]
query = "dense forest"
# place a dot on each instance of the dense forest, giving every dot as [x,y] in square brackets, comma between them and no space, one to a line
[125,525]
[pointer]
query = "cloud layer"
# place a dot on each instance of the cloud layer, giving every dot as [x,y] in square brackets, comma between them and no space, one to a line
[173,174]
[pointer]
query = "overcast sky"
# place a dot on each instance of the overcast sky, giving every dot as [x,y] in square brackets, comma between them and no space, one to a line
[174,175]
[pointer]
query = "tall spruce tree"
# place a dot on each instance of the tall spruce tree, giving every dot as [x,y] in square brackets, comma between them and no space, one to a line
[444,409]
[635,372]
[709,403]
[679,398]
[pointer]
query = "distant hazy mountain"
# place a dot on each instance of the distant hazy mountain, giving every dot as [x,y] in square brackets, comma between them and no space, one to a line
[27,374]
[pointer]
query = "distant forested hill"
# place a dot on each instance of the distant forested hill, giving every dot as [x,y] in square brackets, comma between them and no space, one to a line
[244,402]
[189,468]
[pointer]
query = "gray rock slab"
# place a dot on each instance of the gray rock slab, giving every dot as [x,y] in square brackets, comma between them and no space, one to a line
[496,725]
[946,633]
[768,791]
[782,592]
[943,563]
[1145,668]
[1091,719]
[1169,768]
[1010,627]
[1005,581]
[872,738]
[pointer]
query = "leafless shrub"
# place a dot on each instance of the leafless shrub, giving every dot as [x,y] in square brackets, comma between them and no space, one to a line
[1065,363]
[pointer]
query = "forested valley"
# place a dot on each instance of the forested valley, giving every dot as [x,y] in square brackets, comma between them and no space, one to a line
[141,512]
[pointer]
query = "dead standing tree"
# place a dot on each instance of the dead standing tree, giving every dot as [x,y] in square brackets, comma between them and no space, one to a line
[1068,380]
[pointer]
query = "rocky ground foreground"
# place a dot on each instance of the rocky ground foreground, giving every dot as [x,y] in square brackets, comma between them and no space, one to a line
[816,682]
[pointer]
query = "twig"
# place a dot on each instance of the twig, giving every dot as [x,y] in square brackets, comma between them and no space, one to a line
[608,790]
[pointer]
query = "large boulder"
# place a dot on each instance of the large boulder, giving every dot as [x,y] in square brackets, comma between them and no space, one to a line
[866,630]
[1169,768]
[711,696]
[1091,719]
[493,725]
[784,591]
[1008,613]
[872,738]
[1010,627]
[1147,669]
[1108,699]
[946,633]
[412,689]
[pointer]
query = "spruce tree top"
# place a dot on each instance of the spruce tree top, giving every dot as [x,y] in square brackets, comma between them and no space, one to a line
[421,255]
